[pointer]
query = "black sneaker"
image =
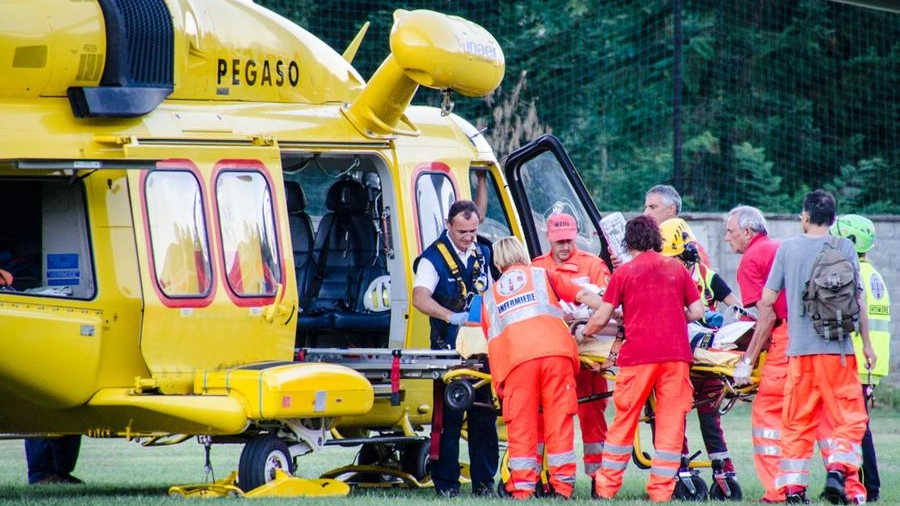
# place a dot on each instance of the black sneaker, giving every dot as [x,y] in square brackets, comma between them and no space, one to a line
[450,492]
[834,488]
[484,490]
[594,495]
[68,479]
[796,498]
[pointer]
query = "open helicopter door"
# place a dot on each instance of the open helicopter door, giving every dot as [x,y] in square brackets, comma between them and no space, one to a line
[543,181]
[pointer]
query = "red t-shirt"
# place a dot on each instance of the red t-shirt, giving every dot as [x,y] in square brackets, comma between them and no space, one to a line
[753,271]
[653,291]
[581,267]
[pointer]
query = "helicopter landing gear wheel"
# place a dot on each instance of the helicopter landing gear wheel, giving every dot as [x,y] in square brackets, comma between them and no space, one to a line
[261,456]
[691,488]
[459,395]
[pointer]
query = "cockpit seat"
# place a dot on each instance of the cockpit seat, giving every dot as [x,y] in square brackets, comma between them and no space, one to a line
[345,253]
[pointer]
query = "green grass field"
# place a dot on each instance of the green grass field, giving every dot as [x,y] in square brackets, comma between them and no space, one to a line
[119,472]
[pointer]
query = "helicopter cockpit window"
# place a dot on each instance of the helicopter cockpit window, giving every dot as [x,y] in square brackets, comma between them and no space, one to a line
[548,193]
[178,233]
[434,195]
[247,225]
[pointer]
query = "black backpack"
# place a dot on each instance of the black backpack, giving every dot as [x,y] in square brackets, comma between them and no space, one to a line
[830,297]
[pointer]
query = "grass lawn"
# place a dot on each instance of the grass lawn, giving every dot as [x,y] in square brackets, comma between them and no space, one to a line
[120,472]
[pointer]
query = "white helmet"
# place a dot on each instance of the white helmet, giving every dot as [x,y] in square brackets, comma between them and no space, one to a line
[378,295]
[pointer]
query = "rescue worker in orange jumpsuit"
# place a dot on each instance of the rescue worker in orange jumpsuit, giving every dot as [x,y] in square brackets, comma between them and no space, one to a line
[747,233]
[533,361]
[653,291]
[678,242]
[580,268]
[822,375]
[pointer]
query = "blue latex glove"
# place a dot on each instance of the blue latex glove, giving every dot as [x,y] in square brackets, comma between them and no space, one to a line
[713,319]
[458,319]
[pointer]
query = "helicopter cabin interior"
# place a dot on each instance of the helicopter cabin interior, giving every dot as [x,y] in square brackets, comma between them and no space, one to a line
[44,242]
[340,231]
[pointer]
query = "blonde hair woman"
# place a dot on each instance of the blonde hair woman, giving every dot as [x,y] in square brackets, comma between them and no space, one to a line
[533,360]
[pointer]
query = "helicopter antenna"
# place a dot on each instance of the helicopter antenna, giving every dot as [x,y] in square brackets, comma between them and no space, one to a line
[351,50]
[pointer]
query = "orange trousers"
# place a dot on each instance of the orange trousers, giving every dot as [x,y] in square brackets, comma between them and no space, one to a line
[542,388]
[590,417]
[820,386]
[765,416]
[853,486]
[674,393]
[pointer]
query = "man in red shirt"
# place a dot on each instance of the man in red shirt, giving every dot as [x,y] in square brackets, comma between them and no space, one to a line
[653,291]
[580,267]
[747,234]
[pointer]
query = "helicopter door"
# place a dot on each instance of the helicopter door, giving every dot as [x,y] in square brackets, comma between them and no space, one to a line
[543,181]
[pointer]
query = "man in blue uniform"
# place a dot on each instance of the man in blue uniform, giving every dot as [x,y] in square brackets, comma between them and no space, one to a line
[449,273]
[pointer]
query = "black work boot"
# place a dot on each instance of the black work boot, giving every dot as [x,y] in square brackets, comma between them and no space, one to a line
[834,488]
[796,496]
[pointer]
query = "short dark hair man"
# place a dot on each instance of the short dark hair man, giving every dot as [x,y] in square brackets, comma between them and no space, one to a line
[449,272]
[822,374]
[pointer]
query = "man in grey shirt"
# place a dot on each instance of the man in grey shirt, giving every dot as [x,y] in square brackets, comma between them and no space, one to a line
[822,375]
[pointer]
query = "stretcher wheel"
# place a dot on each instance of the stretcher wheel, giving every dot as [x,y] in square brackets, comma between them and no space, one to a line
[260,457]
[684,493]
[415,459]
[716,493]
[459,395]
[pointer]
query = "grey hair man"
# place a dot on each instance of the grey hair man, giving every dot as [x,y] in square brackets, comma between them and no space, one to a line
[662,202]
[742,225]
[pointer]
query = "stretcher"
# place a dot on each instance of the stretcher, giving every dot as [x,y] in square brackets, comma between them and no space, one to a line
[400,459]
[594,354]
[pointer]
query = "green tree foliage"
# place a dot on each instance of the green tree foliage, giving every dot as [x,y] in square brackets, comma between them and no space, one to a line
[778,96]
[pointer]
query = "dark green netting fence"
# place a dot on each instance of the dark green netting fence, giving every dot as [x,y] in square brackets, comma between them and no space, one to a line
[775,97]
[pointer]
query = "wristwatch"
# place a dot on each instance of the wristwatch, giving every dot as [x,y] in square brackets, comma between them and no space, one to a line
[745,360]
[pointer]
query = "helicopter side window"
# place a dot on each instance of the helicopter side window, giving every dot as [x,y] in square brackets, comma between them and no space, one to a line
[247,224]
[495,224]
[178,233]
[434,195]
[44,243]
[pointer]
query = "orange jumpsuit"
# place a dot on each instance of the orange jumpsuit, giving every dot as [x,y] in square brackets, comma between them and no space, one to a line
[653,291]
[765,415]
[582,267]
[533,360]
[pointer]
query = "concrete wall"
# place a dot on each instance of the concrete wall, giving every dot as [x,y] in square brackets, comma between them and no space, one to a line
[710,231]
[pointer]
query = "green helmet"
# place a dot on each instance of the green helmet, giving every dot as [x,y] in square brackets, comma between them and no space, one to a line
[858,229]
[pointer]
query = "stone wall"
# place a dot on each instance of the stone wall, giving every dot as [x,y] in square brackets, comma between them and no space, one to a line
[710,231]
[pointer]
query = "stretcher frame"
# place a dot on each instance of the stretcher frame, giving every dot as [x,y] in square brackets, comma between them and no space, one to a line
[384,368]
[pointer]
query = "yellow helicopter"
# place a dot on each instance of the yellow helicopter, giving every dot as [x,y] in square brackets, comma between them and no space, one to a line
[210,222]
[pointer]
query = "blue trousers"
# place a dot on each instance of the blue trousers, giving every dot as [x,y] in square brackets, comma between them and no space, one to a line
[48,457]
[484,447]
[869,470]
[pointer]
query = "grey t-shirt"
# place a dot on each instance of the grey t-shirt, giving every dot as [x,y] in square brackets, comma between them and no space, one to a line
[790,271]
